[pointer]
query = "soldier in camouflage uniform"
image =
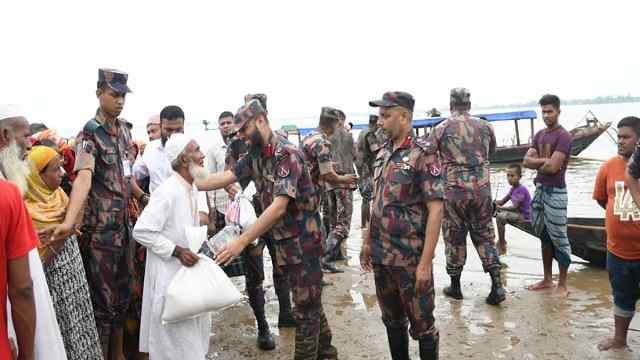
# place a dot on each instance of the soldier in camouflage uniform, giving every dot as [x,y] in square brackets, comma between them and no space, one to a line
[317,153]
[290,203]
[406,216]
[465,143]
[104,181]
[253,255]
[340,195]
[367,149]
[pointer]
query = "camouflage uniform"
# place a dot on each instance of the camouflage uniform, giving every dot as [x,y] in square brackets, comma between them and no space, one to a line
[341,195]
[297,237]
[404,181]
[367,149]
[106,237]
[253,255]
[465,143]
[316,149]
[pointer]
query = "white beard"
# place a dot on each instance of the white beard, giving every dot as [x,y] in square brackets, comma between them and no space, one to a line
[14,169]
[198,173]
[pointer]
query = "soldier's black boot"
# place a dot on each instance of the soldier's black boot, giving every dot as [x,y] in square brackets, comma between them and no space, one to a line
[497,294]
[454,291]
[265,339]
[398,343]
[429,348]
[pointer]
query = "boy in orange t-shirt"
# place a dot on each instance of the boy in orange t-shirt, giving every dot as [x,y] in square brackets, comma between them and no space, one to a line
[622,222]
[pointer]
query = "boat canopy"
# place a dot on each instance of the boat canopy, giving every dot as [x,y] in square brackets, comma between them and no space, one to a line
[429,122]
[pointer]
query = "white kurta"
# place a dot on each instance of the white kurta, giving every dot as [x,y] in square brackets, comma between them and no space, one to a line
[161,226]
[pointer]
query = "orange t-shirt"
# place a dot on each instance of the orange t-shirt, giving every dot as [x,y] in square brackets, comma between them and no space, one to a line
[622,218]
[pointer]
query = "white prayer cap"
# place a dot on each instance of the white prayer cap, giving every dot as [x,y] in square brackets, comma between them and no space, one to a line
[8,111]
[176,145]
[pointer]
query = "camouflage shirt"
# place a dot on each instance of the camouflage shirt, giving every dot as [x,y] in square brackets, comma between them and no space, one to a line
[367,149]
[103,149]
[405,179]
[464,143]
[316,150]
[343,153]
[283,173]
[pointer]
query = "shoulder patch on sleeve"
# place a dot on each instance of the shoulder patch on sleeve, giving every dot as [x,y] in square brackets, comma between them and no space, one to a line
[426,145]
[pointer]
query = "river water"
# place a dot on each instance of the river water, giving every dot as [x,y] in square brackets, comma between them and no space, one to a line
[529,325]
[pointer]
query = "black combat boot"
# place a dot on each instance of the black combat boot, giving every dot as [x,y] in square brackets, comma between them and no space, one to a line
[429,348]
[265,339]
[398,343]
[497,294]
[454,291]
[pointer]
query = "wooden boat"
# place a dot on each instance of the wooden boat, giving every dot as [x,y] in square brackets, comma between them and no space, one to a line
[582,136]
[587,236]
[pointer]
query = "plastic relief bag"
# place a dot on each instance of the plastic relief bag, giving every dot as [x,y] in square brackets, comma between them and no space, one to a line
[197,290]
[241,212]
[224,236]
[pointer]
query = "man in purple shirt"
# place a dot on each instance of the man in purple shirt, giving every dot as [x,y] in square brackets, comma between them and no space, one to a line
[549,155]
[520,209]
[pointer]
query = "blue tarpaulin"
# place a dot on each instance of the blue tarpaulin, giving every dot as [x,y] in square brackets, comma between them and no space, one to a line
[419,123]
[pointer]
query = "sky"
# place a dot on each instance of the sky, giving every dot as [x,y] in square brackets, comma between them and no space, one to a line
[206,55]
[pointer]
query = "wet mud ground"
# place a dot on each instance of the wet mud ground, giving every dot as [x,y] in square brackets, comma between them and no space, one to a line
[528,325]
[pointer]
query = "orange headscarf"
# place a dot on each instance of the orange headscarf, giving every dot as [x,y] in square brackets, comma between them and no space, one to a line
[47,207]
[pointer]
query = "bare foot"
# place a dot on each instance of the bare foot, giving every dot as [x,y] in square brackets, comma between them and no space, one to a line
[611,344]
[561,292]
[540,285]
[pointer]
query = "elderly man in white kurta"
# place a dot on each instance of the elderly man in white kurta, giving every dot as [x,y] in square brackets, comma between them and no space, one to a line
[161,229]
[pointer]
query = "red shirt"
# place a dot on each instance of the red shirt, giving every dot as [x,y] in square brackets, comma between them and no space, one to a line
[622,218]
[17,238]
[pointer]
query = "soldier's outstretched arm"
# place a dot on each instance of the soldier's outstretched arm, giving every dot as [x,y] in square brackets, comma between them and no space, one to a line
[267,219]
[432,233]
[217,181]
[79,193]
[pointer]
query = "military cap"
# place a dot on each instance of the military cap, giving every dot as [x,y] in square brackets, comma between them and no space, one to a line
[395,98]
[329,113]
[260,97]
[373,119]
[460,96]
[116,79]
[247,112]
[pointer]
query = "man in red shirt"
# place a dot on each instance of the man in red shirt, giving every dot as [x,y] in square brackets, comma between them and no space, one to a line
[622,222]
[17,238]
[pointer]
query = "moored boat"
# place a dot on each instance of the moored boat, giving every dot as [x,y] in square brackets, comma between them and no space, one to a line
[588,238]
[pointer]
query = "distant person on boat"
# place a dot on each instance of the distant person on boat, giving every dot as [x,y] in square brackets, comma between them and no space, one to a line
[434,113]
[520,209]
[465,144]
[549,155]
[622,221]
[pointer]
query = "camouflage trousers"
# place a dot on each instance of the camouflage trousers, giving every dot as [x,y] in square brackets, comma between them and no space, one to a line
[254,276]
[109,276]
[313,335]
[471,215]
[399,303]
[340,210]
